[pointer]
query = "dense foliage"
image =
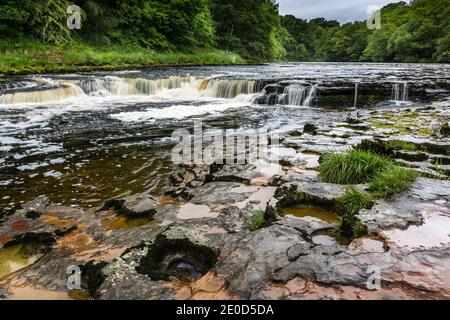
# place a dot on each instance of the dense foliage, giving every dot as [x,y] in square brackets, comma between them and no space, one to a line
[419,31]
[414,32]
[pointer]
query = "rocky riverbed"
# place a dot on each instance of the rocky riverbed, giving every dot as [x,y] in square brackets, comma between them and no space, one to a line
[193,242]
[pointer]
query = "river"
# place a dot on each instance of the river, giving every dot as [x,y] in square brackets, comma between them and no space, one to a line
[82,138]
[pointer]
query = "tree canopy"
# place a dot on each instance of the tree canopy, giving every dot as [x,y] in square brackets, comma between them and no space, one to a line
[414,32]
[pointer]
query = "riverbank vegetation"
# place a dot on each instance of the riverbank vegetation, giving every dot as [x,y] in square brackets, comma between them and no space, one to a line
[34,36]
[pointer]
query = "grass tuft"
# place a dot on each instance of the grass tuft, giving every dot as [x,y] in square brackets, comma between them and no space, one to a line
[392,180]
[352,167]
[352,202]
[347,207]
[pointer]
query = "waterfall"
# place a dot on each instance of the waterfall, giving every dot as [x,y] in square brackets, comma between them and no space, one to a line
[129,86]
[355,101]
[55,91]
[51,95]
[228,89]
[293,95]
[311,94]
[400,92]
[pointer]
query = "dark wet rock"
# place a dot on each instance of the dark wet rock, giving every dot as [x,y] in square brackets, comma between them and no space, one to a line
[296,133]
[351,120]
[92,276]
[377,146]
[37,207]
[411,156]
[310,128]
[445,130]
[440,160]
[137,206]
[436,147]
[360,127]
[178,253]
[319,193]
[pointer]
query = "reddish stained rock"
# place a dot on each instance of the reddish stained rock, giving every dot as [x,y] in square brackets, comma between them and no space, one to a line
[4,239]
[209,283]
[19,225]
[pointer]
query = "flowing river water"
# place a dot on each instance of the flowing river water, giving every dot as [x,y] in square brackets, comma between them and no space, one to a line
[82,138]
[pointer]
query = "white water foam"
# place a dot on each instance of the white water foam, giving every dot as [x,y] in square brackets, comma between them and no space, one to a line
[175,112]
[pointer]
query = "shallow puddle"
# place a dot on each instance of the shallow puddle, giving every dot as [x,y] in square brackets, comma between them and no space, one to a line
[193,211]
[435,232]
[305,211]
[118,222]
[329,238]
[18,257]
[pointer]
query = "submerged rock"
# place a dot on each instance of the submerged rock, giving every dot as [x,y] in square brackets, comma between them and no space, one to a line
[310,128]
[34,209]
[137,206]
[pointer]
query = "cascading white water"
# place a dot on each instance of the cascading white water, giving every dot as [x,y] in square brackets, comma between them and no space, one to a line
[400,92]
[228,89]
[54,95]
[355,101]
[97,87]
[243,90]
[128,86]
[311,94]
[293,95]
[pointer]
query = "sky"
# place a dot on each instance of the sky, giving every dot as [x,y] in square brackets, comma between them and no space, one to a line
[341,10]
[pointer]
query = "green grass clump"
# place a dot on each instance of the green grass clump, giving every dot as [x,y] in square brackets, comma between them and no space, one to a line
[393,180]
[352,167]
[347,207]
[255,220]
[352,202]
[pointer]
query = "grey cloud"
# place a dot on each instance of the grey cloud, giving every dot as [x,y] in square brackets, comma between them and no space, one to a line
[341,10]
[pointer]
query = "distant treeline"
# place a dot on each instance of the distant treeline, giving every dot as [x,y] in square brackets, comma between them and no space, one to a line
[416,32]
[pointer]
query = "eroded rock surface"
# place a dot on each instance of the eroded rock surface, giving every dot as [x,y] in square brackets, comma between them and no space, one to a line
[194,242]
